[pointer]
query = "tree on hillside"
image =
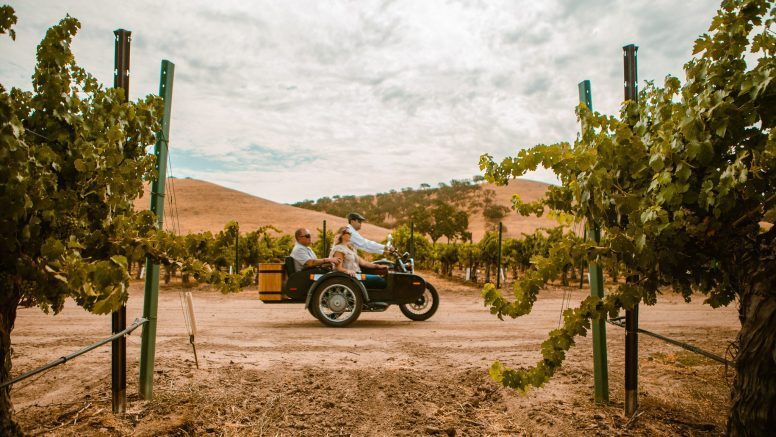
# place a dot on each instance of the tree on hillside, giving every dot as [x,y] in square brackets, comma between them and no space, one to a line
[450,223]
[493,214]
[679,184]
[422,219]
[396,208]
[439,220]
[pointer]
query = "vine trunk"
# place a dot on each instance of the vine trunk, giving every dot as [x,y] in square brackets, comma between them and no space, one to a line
[8,307]
[753,396]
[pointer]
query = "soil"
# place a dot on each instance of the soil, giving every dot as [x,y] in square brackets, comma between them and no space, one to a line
[275,370]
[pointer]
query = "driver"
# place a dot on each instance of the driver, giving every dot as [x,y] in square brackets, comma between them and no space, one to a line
[354,225]
[303,255]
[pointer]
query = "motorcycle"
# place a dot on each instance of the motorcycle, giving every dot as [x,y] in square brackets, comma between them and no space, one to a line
[337,299]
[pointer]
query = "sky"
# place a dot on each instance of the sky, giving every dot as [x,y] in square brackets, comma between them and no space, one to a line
[292,100]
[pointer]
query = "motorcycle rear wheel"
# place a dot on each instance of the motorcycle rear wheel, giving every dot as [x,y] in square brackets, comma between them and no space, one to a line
[424,307]
[337,302]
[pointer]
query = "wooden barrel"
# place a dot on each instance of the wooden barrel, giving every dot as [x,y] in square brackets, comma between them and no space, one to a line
[271,277]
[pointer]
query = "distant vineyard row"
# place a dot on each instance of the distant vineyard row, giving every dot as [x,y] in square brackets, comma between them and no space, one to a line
[187,253]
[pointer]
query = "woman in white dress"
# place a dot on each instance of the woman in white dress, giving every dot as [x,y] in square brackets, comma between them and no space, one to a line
[350,263]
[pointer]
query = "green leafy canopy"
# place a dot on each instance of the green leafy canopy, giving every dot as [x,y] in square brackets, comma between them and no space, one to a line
[678,183]
[73,157]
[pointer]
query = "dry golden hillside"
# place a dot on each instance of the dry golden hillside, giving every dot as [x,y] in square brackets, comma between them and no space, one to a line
[203,206]
[514,224]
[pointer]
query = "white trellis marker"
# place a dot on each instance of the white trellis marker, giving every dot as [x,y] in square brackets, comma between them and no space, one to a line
[191,323]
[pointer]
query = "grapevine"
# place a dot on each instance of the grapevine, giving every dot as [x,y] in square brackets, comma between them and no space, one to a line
[679,185]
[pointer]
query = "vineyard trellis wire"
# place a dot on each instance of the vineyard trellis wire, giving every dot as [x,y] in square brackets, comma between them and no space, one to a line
[617,322]
[65,358]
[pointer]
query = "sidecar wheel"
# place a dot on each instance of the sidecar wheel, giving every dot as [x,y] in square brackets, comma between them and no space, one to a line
[337,302]
[424,307]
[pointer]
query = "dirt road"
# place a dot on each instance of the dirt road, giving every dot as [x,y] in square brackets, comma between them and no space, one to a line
[273,369]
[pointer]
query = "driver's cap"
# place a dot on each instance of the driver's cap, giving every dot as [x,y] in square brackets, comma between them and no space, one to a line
[356,216]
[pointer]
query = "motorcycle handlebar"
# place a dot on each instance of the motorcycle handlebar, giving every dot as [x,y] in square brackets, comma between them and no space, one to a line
[399,258]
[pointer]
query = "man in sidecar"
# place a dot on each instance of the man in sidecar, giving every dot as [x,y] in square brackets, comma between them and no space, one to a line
[303,254]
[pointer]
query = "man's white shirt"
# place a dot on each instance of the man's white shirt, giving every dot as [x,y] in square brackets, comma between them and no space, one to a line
[301,254]
[364,244]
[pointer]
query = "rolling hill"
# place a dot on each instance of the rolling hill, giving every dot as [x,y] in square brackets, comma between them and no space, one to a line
[514,224]
[475,199]
[204,206]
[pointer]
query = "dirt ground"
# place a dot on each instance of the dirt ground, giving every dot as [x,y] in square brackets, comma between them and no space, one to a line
[274,370]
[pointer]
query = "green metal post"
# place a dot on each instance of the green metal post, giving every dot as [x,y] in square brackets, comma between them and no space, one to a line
[325,242]
[151,297]
[600,365]
[498,271]
[412,239]
[237,251]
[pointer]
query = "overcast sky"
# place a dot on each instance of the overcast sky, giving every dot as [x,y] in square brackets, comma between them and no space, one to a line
[289,100]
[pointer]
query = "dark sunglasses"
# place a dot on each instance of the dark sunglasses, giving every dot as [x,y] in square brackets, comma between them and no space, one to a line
[305,235]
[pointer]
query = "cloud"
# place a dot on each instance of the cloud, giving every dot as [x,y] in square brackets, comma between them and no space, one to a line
[299,99]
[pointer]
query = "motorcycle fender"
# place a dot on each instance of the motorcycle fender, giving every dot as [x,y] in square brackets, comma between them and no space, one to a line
[330,275]
[408,284]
